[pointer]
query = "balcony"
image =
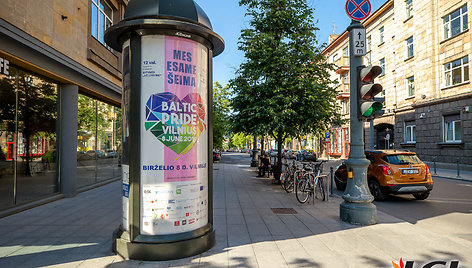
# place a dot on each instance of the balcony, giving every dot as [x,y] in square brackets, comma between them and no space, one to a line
[343,95]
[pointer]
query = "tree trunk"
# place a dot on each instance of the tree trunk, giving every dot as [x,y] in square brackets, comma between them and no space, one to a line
[262,145]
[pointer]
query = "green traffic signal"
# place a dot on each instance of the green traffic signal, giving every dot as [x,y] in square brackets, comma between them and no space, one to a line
[368,107]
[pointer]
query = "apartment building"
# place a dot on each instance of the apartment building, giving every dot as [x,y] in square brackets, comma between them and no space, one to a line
[423,48]
[60,94]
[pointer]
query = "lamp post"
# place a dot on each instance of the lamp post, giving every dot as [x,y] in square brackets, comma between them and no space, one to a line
[167,49]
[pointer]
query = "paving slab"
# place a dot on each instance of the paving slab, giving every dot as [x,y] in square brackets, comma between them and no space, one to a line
[76,232]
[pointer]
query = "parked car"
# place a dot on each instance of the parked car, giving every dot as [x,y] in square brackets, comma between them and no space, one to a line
[111,154]
[290,154]
[216,156]
[81,155]
[392,172]
[91,154]
[304,155]
[272,152]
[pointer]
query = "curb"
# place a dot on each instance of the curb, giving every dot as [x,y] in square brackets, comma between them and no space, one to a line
[451,178]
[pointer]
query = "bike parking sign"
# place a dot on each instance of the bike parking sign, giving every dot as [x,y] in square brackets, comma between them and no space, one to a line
[358,9]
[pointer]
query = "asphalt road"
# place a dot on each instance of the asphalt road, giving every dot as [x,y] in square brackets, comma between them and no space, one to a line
[448,210]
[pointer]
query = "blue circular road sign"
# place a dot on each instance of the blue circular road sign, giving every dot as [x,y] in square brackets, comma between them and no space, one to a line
[358,9]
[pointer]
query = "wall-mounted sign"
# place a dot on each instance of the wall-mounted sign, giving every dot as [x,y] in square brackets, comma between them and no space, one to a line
[174,135]
[4,66]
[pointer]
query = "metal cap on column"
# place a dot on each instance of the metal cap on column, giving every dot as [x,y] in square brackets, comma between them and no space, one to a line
[167,49]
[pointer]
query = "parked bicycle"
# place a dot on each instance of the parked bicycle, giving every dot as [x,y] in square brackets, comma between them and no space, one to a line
[311,183]
[288,179]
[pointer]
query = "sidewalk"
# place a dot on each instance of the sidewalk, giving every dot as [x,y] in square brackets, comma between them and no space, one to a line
[76,232]
[445,171]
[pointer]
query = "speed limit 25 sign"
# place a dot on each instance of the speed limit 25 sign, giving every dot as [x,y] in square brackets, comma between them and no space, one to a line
[359,42]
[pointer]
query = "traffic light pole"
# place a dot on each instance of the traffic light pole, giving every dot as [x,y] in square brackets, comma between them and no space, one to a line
[357,207]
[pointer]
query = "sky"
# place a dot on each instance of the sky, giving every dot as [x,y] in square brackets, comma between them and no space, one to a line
[227,19]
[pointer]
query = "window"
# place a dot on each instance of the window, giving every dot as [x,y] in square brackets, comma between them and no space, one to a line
[345,78]
[456,72]
[456,22]
[409,47]
[335,57]
[345,108]
[381,30]
[28,152]
[452,128]
[409,8]
[346,52]
[102,17]
[98,141]
[411,86]
[410,132]
[369,43]
[401,159]
[382,65]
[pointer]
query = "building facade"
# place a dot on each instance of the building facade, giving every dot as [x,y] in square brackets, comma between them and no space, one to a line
[60,94]
[423,48]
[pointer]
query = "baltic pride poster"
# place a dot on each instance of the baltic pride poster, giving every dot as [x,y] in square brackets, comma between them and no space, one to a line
[174,135]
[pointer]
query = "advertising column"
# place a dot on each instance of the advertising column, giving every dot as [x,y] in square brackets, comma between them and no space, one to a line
[174,135]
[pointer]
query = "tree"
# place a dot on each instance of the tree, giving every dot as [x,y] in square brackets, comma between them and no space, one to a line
[283,88]
[239,140]
[221,109]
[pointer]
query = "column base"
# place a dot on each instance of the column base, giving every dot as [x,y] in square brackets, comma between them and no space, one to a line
[160,251]
[358,213]
[254,164]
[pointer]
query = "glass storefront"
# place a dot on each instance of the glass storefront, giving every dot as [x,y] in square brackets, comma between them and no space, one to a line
[28,157]
[98,141]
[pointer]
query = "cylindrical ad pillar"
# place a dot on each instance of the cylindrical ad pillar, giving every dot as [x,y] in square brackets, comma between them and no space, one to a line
[167,130]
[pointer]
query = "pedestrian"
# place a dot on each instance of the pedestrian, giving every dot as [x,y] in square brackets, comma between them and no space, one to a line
[265,165]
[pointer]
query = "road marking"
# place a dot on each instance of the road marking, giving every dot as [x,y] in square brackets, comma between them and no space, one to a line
[466,185]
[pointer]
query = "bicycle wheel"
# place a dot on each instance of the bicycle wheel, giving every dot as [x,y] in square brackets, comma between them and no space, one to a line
[302,189]
[288,183]
[319,189]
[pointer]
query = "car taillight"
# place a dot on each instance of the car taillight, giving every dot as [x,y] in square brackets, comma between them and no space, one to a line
[386,170]
[428,172]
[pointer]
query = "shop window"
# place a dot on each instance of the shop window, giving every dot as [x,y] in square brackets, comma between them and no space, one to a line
[28,156]
[452,128]
[98,141]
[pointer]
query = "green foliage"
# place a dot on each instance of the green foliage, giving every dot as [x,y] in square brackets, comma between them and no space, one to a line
[221,109]
[283,88]
[239,140]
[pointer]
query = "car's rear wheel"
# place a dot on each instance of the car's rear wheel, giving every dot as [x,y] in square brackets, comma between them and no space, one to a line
[374,188]
[421,196]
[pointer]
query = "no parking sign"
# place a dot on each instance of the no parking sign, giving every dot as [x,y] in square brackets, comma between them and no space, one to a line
[358,9]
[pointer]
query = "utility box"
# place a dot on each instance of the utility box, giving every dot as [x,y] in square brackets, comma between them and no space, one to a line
[167,49]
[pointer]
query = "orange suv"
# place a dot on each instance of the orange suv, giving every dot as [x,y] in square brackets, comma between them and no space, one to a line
[392,172]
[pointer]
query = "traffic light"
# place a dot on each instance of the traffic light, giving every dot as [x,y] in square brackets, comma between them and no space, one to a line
[368,106]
